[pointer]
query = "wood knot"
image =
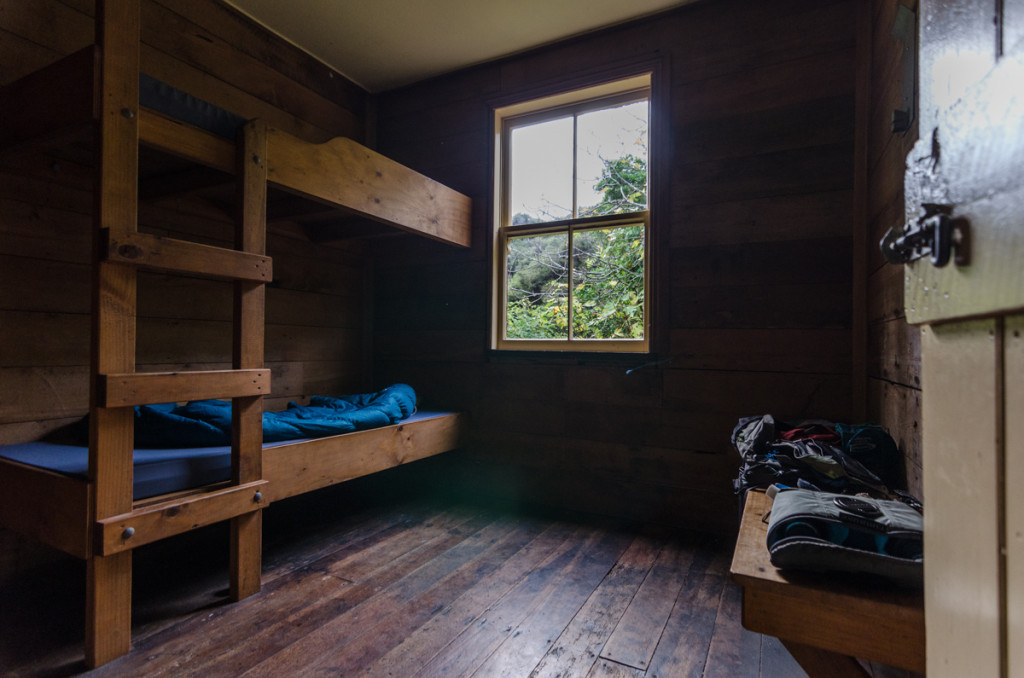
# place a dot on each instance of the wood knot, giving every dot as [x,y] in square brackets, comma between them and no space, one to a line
[129,251]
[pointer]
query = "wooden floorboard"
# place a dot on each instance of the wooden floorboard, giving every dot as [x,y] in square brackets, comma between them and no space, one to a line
[413,587]
[734,652]
[389,629]
[683,648]
[325,647]
[530,640]
[470,608]
[577,648]
[777,662]
[635,637]
[476,643]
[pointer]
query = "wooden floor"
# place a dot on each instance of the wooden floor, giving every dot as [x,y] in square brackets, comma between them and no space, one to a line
[420,588]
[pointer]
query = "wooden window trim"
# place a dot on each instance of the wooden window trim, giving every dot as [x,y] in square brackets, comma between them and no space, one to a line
[576,102]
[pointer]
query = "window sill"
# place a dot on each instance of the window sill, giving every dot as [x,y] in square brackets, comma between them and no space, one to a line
[626,361]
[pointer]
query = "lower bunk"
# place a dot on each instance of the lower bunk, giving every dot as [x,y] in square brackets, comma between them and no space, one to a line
[45,493]
[44,486]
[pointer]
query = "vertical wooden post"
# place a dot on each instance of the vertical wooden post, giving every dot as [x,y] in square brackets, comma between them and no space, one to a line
[861,225]
[817,662]
[961,371]
[247,420]
[108,585]
[1013,383]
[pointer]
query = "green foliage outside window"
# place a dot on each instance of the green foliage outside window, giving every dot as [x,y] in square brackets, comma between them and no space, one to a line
[608,290]
[607,286]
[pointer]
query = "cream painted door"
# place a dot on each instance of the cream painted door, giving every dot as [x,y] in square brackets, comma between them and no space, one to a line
[969,161]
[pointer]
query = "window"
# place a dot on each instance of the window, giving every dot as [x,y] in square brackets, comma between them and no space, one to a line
[572,221]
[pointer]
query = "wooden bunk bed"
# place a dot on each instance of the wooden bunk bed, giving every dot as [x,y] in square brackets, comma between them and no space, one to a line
[97,90]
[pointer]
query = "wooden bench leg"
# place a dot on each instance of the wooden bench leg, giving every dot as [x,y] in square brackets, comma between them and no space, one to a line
[246,554]
[108,608]
[824,663]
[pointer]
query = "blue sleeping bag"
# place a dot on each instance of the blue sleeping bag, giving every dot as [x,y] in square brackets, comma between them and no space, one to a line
[207,423]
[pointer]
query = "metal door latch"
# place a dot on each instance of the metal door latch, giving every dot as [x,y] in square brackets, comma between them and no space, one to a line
[936,234]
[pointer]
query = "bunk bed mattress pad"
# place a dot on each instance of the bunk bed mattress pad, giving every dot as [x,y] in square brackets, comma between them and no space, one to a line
[156,470]
[167,460]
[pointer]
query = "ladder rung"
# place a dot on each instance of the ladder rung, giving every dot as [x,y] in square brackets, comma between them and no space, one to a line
[173,136]
[145,525]
[146,388]
[181,256]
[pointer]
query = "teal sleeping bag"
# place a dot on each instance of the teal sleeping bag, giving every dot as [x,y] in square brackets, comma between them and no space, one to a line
[207,423]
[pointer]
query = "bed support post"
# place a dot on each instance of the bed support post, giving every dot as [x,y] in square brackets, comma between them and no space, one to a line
[247,412]
[109,578]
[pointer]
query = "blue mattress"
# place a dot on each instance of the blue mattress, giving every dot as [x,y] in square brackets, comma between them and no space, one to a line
[157,471]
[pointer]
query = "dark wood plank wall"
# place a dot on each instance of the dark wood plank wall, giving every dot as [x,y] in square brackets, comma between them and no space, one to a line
[316,340]
[894,348]
[753,278]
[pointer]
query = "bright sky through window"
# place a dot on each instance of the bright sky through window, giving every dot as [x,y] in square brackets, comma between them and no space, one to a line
[541,159]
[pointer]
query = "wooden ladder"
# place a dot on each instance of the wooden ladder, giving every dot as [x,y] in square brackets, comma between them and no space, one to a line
[118,524]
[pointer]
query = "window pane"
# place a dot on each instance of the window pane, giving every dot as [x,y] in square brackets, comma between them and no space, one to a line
[537,275]
[608,283]
[540,184]
[612,160]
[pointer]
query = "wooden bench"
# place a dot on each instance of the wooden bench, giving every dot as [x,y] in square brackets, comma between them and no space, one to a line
[823,621]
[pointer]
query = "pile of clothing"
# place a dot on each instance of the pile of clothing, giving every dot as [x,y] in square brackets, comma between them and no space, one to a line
[817,455]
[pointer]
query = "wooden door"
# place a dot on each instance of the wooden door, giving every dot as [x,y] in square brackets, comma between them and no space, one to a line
[969,160]
[970,155]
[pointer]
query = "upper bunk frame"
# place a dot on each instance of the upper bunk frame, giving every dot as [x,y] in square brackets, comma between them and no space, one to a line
[61,101]
[96,91]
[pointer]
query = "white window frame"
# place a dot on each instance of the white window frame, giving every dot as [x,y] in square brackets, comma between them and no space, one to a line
[505,118]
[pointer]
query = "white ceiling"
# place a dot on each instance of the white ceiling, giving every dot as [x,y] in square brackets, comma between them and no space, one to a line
[383,44]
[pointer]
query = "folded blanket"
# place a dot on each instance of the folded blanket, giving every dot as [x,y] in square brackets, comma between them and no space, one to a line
[207,423]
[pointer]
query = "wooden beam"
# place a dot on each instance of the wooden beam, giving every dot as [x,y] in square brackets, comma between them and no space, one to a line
[159,131]
[181,256]
[248,342]
[821,663]
[109,579]
[302,467]
[145,388]
[343,172]
[166,519]
[46,506]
